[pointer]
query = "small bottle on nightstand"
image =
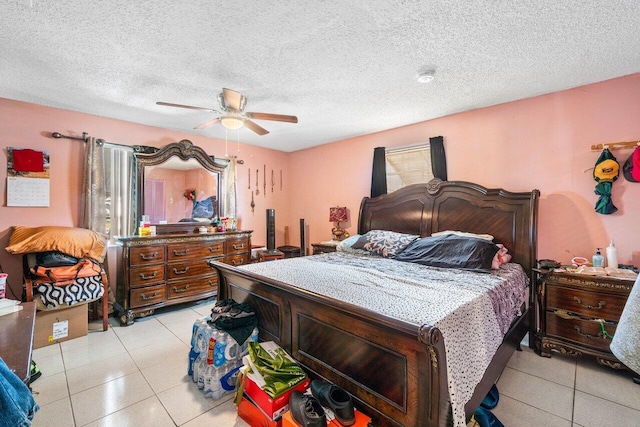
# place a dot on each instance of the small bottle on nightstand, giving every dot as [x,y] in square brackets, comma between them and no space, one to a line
[612,255]
[598,259]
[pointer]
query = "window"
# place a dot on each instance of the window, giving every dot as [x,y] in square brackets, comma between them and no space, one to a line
[408,165]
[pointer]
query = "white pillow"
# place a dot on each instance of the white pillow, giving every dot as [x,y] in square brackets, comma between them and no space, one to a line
[488,237]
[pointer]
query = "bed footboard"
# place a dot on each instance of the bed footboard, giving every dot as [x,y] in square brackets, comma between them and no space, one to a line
[396,373]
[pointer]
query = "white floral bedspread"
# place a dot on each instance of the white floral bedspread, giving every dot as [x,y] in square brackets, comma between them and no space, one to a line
[485,304]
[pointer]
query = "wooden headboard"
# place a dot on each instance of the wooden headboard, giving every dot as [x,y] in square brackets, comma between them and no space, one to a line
[457,205]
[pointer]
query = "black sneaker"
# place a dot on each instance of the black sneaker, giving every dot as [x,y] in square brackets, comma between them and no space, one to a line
[306,410]
[335,398]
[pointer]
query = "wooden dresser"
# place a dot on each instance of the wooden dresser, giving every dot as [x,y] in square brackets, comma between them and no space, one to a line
[577,315]
[158,271]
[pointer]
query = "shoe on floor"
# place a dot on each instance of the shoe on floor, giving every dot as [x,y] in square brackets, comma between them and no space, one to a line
[491,399]
[306,411]
[485,418]
[335,398]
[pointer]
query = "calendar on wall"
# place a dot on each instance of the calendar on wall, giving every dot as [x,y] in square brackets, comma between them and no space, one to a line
[28,182]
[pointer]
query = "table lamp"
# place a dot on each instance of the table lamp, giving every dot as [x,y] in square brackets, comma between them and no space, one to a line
[338,215]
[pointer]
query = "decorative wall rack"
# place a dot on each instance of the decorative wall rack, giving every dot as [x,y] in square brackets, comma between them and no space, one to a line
[615,145]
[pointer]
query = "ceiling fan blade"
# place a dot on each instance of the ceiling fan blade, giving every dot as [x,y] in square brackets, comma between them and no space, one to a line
[207,124]
[169,104]
[234,99]
[255,127]
[274,117]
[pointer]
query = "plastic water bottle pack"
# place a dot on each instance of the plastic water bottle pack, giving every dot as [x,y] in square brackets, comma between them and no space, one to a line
[215,358]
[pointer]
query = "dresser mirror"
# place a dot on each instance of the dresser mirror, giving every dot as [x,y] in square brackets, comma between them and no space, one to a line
[179,187]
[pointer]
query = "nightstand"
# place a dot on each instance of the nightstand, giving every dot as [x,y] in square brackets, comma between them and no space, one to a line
[270,255]
[577,314]
[324,247]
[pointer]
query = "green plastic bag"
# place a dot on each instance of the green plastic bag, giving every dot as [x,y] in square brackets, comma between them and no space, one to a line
[279,372]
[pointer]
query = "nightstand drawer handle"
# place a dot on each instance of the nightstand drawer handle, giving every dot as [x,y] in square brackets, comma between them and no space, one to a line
[176,253]
[212,282]
[237,262]
[151,276]
[144,297]
[175,289]
[176,271]
[236,247]
[601,304]
[152,256]
[214,249]
[600,335]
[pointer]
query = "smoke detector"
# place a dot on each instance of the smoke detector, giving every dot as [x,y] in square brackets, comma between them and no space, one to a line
[426,76]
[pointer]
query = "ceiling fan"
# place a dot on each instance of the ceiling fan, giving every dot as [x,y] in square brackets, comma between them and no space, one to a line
[232,114]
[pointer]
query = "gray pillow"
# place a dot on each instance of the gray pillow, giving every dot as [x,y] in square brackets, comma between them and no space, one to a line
[451,251]
[346,246]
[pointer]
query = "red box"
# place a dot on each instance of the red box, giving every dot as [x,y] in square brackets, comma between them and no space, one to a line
[361,420]
[273,407]
[254,415]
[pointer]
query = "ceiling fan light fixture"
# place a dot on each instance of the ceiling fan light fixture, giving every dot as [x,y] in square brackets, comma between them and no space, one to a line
[232,123]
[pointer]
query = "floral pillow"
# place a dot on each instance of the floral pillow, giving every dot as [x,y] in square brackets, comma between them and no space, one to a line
[385,243]
[346,246]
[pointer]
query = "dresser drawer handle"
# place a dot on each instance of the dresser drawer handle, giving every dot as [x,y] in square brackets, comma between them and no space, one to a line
[176,253]
[237,262]
[175,289]
[584,334]
[176,271]
[601,304]
[236,247]
[148,257]
[212,282]
[152,276]
[214,249]
[146,298]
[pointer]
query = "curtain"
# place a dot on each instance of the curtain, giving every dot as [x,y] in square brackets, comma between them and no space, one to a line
[93,215]
[438,158]
[379,173]
[119,170]
[230,202]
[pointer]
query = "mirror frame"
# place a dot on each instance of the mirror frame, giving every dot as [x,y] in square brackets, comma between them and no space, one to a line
[184,150]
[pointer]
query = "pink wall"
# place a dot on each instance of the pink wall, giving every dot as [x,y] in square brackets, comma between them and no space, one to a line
[29,126]
[542,142]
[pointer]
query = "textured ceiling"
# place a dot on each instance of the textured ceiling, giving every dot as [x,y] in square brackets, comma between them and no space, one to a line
[345,68]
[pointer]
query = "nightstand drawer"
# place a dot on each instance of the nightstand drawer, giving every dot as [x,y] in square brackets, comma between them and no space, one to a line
[587,332]
[591,304]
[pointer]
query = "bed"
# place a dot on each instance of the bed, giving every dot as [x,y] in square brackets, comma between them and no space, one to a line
[396,370]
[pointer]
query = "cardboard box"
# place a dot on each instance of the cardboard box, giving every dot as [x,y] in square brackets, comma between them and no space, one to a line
[361,420]
[273,407]
[254,416]
[60,325]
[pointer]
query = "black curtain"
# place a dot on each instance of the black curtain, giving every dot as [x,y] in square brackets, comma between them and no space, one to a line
[438,158]
[379,173]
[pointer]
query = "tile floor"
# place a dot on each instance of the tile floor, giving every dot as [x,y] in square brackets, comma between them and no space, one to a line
[136,376]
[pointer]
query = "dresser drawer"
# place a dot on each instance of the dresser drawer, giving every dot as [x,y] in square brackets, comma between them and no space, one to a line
[183,288]
[144,276]
[587,332]
[236,260]
[180,251]
[181,270]
[147,296]
[146,255]
[591,304]
[236,246]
